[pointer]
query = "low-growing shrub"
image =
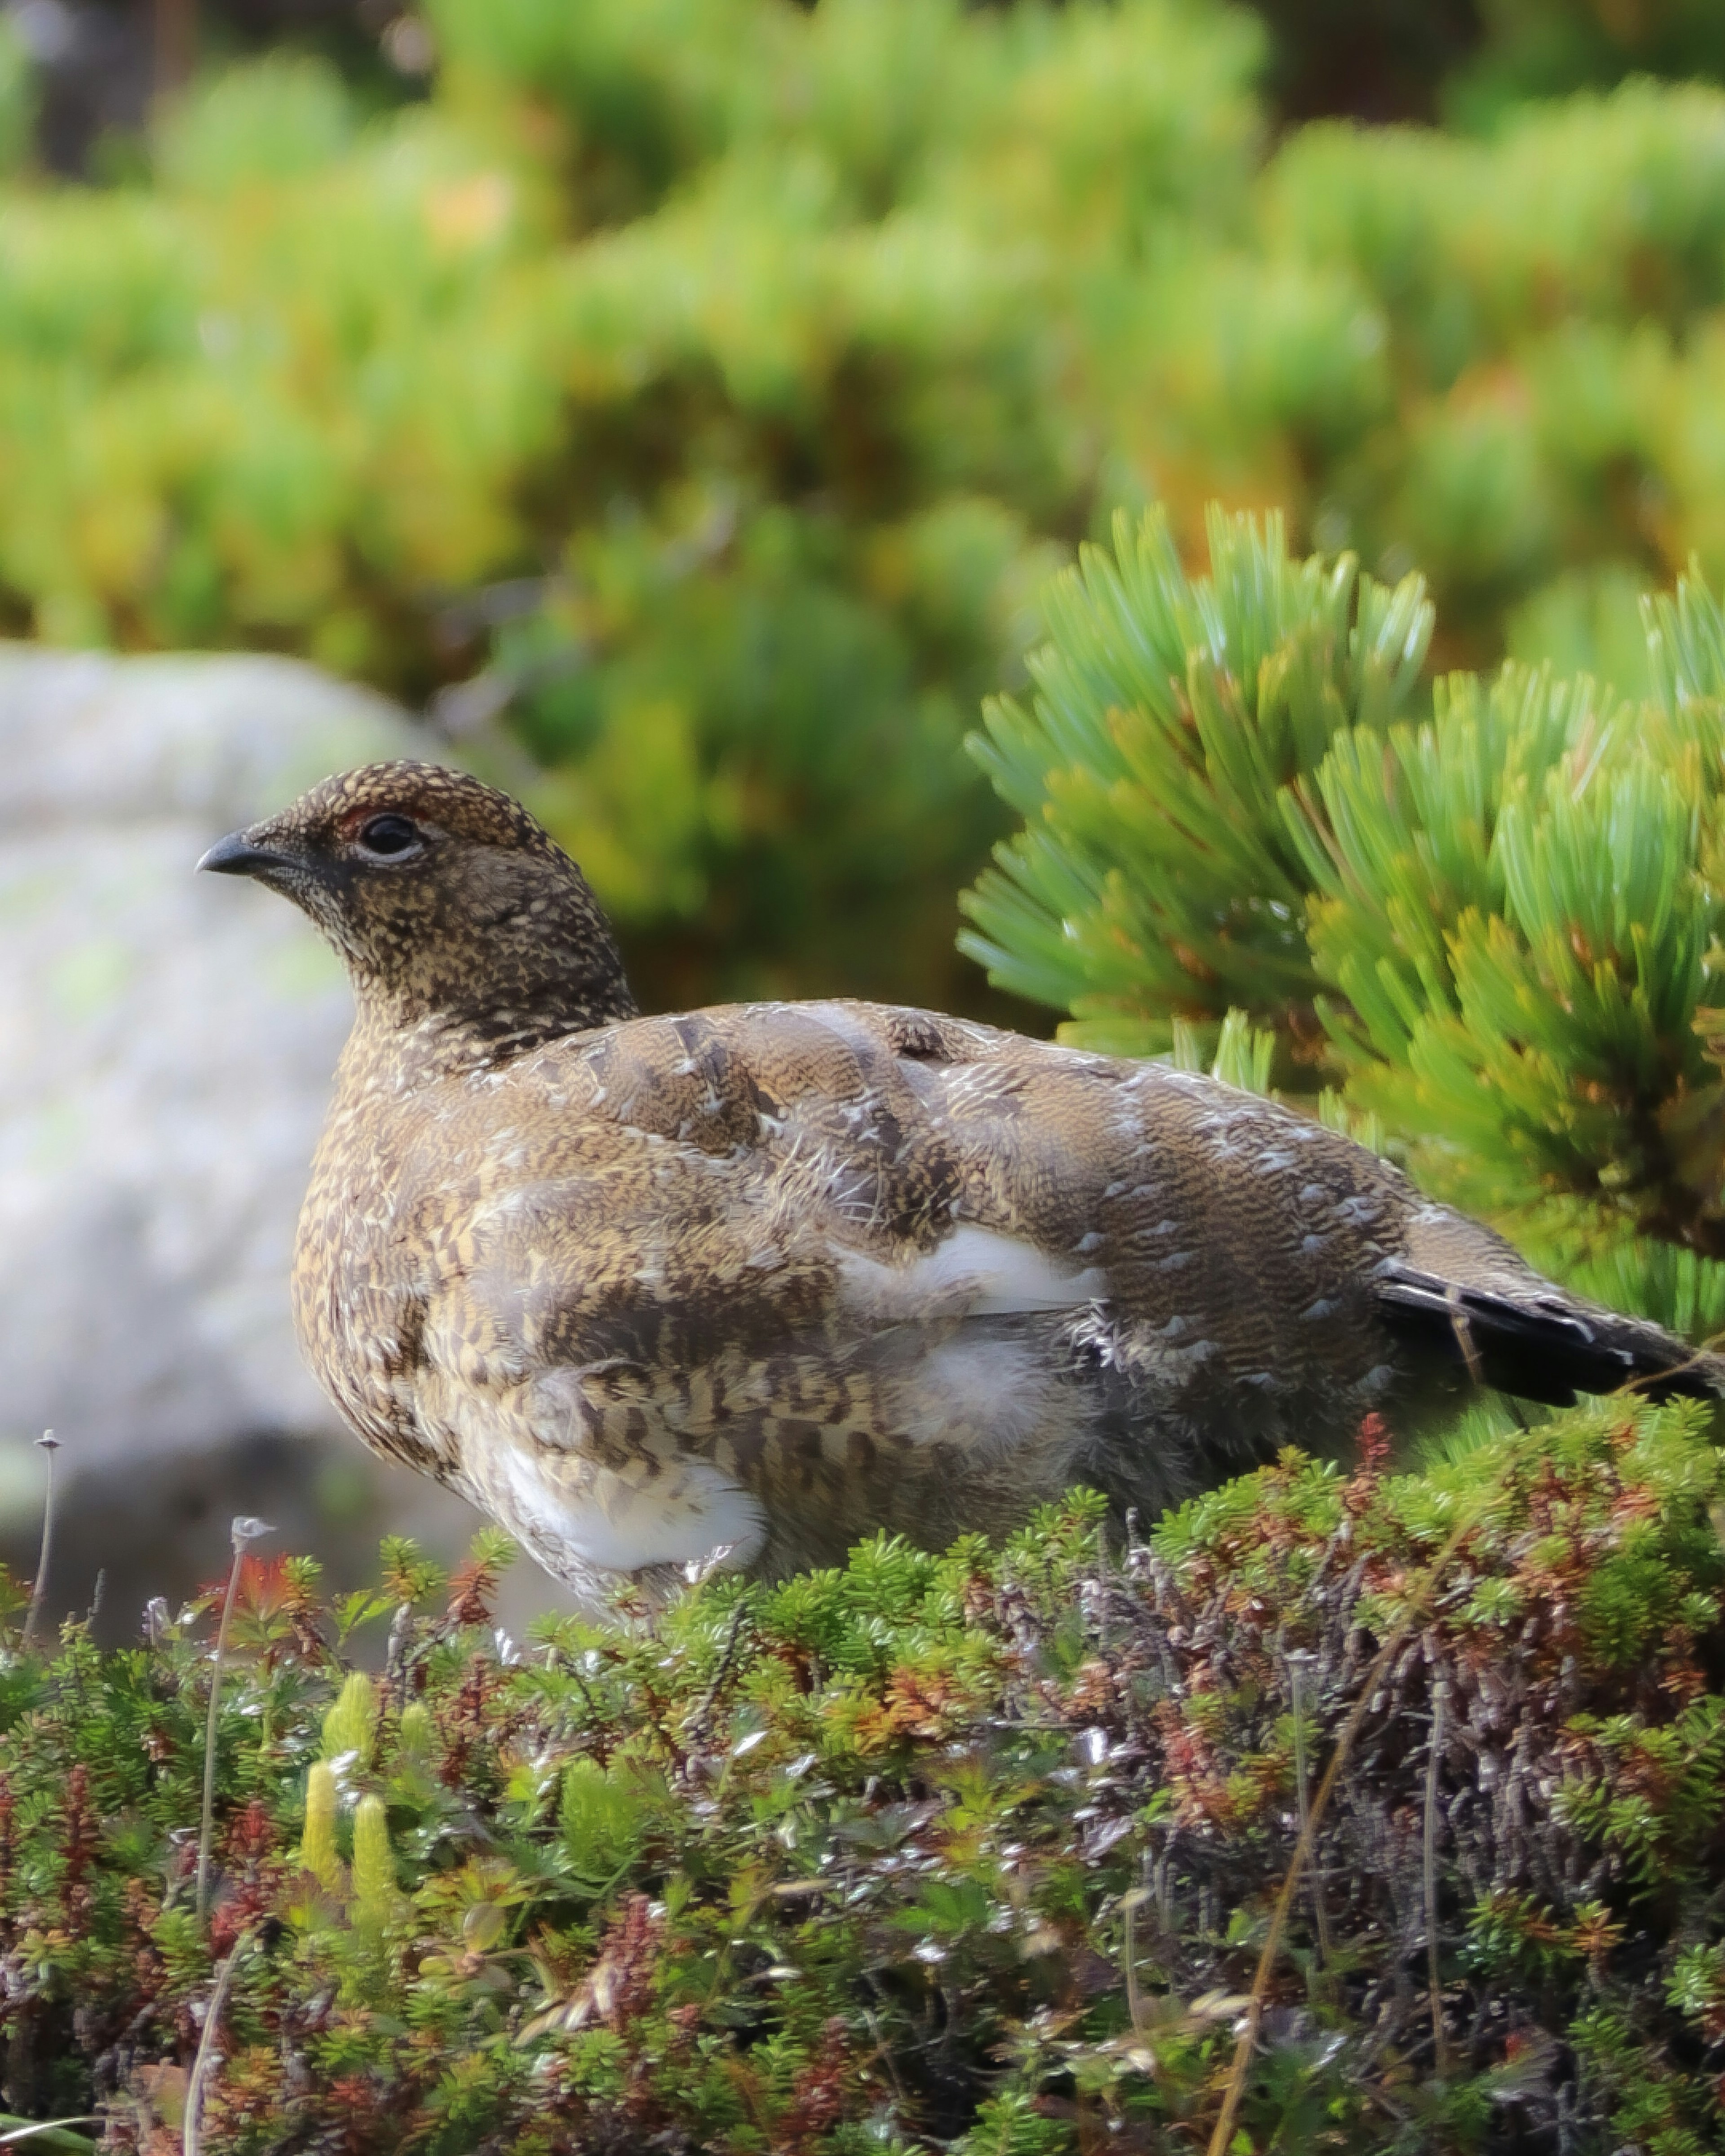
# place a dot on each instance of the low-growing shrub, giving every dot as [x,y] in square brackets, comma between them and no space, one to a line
[975,1850]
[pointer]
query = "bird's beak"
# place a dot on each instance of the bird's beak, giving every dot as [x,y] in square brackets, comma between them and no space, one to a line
[236,855]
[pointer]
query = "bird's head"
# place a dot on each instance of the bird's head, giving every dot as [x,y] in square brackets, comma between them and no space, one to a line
[447,901]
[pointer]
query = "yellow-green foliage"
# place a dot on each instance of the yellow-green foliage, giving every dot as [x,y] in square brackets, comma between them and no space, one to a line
[1542,47]
[719,375]
[417,1730]
[601,1815]
[731,325]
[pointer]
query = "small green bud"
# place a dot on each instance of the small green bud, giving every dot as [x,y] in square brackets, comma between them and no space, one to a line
[351,1722]
[375,1893]
[417,1730]
[317,1847]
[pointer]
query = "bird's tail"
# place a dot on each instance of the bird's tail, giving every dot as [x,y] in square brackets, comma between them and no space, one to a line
[1539,1343]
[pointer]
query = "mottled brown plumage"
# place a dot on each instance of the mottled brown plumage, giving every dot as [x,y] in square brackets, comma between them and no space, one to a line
[767,1277]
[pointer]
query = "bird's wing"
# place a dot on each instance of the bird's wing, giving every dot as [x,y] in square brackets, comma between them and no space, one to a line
[747,1173]
[743,1176]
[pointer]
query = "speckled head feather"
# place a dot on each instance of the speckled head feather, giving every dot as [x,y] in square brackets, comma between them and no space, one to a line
[455,912]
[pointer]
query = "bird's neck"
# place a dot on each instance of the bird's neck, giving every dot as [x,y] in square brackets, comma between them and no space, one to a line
[433,1025]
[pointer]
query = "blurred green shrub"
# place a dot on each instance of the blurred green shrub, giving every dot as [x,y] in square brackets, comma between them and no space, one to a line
[692,371]
[705,386]
[18,98]
[1546,48]
[1492,933]
[1468,61]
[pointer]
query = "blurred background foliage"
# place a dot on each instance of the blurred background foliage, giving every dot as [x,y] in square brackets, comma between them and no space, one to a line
[682,402]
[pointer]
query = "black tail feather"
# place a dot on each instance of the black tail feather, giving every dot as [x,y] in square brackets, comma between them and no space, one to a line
[1538,1349]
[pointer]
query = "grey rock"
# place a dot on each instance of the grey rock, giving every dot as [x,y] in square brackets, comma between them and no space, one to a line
[166,1045]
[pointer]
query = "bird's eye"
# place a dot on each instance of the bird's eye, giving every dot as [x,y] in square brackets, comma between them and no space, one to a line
[386,835]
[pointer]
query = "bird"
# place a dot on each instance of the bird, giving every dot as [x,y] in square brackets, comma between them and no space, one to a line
[736,1288]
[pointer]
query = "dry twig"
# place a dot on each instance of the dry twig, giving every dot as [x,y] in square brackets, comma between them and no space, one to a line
[50,1445]
[194,2129]
[1222,2132]
[244,1530]
[1439,1691]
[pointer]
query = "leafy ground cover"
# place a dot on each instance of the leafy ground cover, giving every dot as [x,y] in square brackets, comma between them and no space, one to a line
[980,1850]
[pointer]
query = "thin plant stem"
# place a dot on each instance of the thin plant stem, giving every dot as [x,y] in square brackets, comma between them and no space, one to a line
[50,1445]
[1134,1998]
[193,2131]
[1246,2044]
[697,1721]
[50,2133]
[1440,2049]
[244,1530]
[883,2052]
[1297,1661]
